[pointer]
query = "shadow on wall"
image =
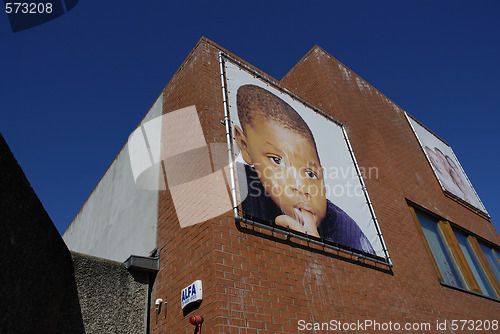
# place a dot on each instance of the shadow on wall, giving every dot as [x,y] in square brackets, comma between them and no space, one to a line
[47,289]
[39,293]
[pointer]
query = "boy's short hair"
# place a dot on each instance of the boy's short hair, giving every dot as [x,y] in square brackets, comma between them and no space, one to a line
[438,150]
[256,102]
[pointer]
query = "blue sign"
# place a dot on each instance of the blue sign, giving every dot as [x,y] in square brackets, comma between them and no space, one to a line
[191,293]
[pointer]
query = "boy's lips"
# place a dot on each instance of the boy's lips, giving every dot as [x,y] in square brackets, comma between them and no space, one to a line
[304,213]
[302,206]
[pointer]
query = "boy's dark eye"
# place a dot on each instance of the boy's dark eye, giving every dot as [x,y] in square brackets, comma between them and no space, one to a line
[312,174]
[276,160]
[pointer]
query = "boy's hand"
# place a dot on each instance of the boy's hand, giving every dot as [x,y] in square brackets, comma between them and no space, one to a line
[307,224]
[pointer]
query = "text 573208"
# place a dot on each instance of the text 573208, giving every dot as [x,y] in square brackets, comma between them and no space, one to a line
[28,8]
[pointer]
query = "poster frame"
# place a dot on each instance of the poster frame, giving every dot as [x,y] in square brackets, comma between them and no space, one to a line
[448,193]
[359,255]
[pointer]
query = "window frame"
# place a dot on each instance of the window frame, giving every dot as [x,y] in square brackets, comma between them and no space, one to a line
[495,281]
[426,244]
[448,230]
[456,251]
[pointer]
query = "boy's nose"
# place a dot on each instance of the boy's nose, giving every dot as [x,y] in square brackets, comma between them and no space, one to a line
[296,181]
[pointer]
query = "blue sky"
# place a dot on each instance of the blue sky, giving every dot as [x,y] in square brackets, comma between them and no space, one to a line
[72,90]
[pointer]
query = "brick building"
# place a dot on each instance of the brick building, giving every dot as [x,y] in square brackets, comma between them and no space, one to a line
[435,251]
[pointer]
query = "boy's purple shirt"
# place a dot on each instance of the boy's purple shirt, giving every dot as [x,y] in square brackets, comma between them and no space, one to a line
[337,226]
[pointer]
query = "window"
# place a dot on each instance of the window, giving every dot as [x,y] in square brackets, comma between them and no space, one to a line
[479,273]
[493,258]
[459,259]
[442,255]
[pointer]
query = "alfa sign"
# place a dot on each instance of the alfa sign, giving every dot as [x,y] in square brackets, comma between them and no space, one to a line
[191,293]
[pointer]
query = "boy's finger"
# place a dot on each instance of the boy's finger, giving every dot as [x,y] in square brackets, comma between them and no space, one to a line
[287,221]
[305,218]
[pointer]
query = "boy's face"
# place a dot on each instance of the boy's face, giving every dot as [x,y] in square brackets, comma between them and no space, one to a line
[442,160]
[455,174]
[435,160]
[288,167]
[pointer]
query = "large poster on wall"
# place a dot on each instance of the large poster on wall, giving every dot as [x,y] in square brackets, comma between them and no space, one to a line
[294,166]
[446,167]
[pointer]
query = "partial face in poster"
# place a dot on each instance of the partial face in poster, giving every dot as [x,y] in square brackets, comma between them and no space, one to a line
[446,166]
[295,166]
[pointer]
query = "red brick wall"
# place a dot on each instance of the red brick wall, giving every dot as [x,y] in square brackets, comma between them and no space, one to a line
[254,282]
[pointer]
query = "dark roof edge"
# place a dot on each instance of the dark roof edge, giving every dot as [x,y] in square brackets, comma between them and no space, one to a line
[143,263]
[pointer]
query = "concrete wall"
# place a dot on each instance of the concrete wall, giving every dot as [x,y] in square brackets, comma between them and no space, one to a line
[119,218]
[37,285]
[112,299]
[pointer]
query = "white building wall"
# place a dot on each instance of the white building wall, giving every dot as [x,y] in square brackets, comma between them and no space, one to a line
[119,218]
